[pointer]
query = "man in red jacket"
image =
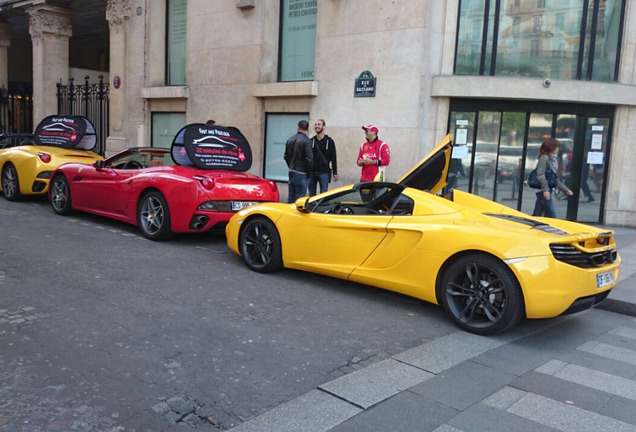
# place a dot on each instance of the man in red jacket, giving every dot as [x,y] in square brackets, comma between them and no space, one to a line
[373,155]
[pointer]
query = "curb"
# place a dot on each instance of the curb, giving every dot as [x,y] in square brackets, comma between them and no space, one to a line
[618,306]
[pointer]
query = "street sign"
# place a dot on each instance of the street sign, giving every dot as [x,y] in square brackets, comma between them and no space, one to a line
[364,85]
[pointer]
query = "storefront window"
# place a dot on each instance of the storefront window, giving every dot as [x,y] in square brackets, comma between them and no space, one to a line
[297,39]
[279,127]
[164,128]
[496,145]
[540,39]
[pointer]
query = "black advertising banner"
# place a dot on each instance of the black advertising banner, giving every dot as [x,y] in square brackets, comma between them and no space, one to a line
[66,131]
[212,147]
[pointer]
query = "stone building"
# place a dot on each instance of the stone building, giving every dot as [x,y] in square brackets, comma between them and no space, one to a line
[499,75]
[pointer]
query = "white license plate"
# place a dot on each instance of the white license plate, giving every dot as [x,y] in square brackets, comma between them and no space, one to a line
[240,205]
[604,279]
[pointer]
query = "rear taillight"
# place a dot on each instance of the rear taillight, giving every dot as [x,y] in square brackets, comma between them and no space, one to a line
[273,186]
[206,182]
[44,157]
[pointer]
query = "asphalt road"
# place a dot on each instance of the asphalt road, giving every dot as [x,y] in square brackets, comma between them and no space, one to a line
[101,329]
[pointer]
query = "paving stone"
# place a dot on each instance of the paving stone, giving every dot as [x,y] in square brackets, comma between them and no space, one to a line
[618,340]
[620,409]
[565,417]
[404,412]
[161,408]
[610,351]
[448,428]
[192,420]
[482,418]
[516,358]
[315,411]
[599,363]
[180,405]
[463,385]
[590,378]
[504,398]
[443,353]
[376,383]
[562,391]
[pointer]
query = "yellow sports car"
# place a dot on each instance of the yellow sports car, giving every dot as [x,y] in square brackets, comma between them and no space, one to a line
[26,169]
[487,265]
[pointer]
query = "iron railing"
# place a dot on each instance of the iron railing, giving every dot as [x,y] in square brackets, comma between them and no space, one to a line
[90,101]
[16,112]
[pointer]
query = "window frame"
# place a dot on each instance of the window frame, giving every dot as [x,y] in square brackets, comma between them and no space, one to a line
[587,38]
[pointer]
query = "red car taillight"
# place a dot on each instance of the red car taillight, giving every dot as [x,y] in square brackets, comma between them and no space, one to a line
[44,157]
[206,182]
[273,186]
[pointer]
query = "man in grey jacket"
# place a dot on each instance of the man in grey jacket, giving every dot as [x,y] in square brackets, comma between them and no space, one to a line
[300,159]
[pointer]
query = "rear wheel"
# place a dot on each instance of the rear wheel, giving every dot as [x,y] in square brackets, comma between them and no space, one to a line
[60,195]
[153,216]
[10,183]
[481,295]
[260,245]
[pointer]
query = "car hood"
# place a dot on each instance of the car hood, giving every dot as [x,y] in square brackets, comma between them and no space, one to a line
[431,173]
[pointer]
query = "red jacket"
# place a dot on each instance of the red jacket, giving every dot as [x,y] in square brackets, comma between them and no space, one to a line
[377,151]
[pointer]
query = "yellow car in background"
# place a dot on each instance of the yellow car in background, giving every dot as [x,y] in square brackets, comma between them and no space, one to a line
[26,169]
[487,265]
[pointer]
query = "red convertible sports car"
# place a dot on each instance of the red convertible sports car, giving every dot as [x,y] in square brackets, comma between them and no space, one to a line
[195,186]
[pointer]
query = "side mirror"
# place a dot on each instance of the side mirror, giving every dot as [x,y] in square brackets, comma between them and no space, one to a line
[98,165]
[301,204]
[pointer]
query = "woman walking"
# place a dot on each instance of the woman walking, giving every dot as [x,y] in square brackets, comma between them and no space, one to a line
[548,161]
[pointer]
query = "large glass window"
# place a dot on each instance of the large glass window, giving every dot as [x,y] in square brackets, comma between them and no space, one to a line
[165,126]
[552,38]
[297,39]
[497,145]
[176,42]
[279,127]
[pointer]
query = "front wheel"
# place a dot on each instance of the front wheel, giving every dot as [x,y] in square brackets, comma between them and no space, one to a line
[260,245]
[60,196]
[153,216]
[481,295]
[10,183]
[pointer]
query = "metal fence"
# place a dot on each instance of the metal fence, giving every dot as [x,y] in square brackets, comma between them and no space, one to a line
[90,101]
[16,112]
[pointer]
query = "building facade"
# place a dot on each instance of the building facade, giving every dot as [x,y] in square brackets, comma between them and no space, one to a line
[499,75]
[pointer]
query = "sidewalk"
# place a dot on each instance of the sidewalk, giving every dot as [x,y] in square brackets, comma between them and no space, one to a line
[622,299]
[539,376]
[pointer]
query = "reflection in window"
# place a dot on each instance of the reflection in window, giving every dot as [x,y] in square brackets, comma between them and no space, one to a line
[298,40]
[176,42]
[164,127]
[538,39]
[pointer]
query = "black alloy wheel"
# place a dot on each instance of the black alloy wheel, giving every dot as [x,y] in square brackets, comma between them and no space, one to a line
[260,245]
[153,216]
[60,195]
[10,183]
[481,295]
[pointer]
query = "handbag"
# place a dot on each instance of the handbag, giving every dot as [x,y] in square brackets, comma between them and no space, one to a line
[550,177]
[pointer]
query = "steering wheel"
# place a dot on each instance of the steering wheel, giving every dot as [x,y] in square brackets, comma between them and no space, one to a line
[131,164]
[346,210]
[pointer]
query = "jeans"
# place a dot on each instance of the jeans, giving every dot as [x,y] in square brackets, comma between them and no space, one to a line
[320,178]
[297,186]
[544,207]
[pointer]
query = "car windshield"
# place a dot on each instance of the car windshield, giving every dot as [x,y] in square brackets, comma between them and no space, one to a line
[366,199]
[139,159]
[8,141]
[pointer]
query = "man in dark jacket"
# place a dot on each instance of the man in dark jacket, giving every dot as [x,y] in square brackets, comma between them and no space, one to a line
[325,160]
[300,159]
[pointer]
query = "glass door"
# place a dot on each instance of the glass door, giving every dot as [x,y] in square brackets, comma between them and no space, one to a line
[497,145]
